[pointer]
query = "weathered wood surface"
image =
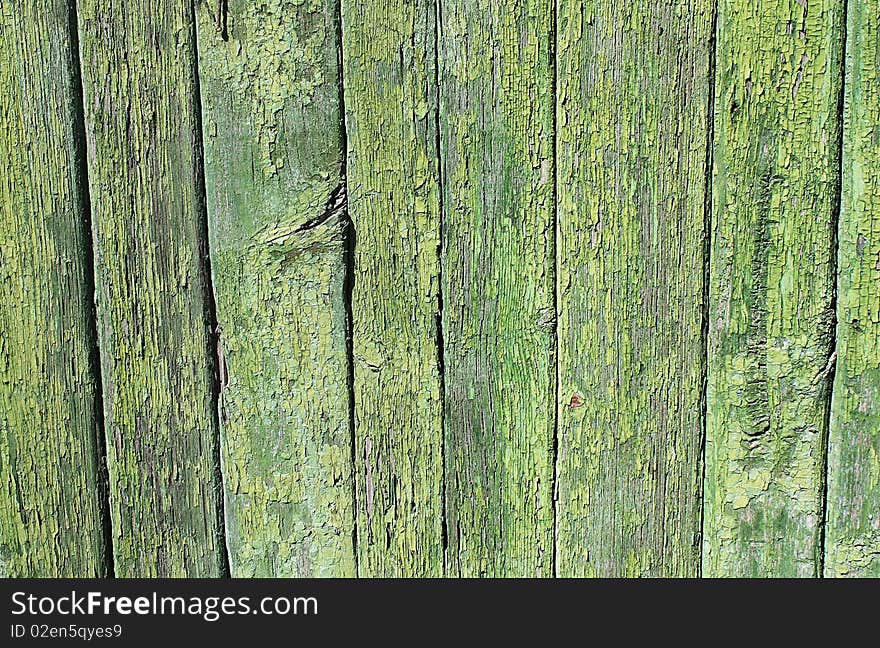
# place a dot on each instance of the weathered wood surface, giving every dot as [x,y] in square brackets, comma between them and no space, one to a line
[498,285]
[274,168]
[852,537]
[771,318]
[142,131]
[51,513]
[632,99]
[486,279]
[394,205]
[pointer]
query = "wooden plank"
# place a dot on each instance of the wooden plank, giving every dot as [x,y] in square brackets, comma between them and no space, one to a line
[394,205]
[274,168]
[632,97]
[50,496]
[852,546]
[142,129]
[498,285]
[771,321]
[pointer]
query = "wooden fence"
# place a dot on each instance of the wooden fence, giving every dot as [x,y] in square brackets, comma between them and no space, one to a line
[440,287]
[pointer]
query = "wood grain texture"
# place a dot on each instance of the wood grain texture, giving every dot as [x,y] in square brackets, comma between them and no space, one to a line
[138,65]
[496,120]
[50,466]
[394,205]
[633,91]
[852,539]
[274,167]
[487,278]
[775,186]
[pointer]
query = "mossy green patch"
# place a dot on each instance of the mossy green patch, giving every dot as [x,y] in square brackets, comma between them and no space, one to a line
[152,293]
[50,495]
[274,167]
[852,538]
[498,284]
[775,187]
[394,203]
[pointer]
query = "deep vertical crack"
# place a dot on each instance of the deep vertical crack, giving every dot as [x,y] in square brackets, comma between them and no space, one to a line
[84,202]
[441,369]
[831,366]
[213,350]
[350,244]
[707,257]
[554,252]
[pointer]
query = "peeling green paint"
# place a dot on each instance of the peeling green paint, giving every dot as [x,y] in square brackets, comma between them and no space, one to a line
[632,97]
[138,68]
[457,314]
[50,496]
[496,120]
[852,545]
[274,174]
[266,63]
[771,335]
[394,204]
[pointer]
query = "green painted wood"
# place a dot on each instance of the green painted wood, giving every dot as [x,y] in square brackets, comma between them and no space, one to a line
[852,541]
[50,466]
[394,205]
[274,167]
[498,285]
[771,319]
[632,97]
[138,67]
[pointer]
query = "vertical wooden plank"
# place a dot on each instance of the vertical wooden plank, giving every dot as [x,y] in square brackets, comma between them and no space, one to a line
[496,120]
[771,317]
[633,91]
[138,65]
[50,496]
[274,168]
[852,545]
[394,205]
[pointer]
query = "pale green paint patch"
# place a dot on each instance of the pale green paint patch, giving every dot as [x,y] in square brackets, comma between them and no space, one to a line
[274,176]
[50,499]
[632,91]
[632,97]
[276,54]
[138,69]
[394,203]
[496,120]
[770,321]
[852,545]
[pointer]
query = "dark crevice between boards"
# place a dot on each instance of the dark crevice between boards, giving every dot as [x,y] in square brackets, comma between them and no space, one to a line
[84,202]
[828,373]
[554,414]
[221,19]
[349,246]
[335,206]
[214,351]
[441,369]
[707,255]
